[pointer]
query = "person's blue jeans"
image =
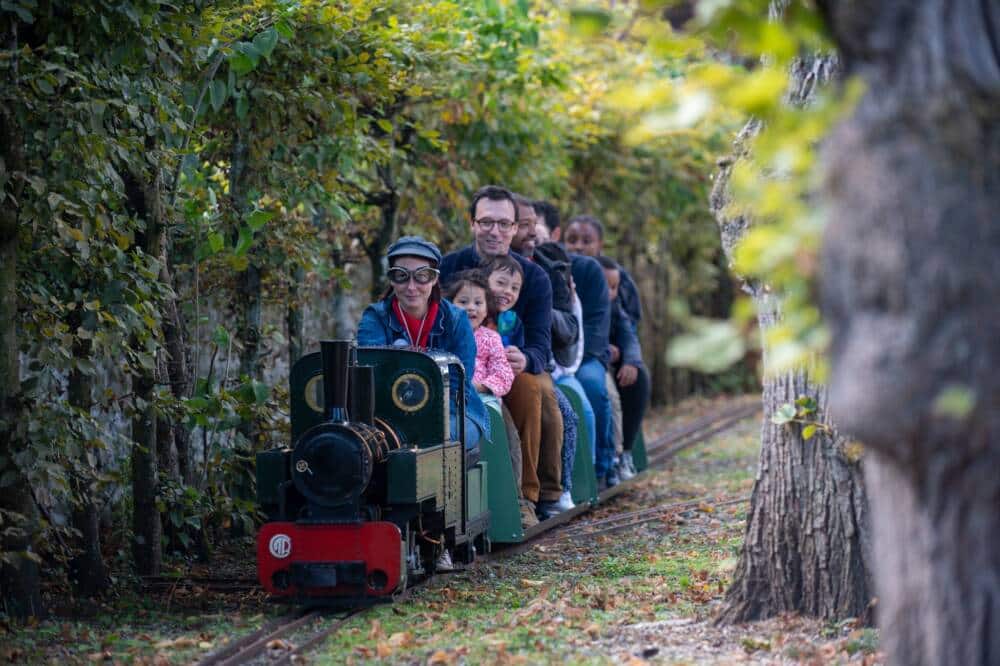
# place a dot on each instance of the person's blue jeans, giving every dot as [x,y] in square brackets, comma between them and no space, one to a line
[588,411]
[473,433]
[591,376]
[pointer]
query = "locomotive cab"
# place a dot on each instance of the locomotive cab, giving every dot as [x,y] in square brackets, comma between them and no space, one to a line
[374,484]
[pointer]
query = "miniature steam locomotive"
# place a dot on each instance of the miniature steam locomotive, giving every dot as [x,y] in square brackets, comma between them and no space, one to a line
[374,485]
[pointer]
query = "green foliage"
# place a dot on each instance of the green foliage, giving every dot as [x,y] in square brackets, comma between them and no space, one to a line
[805,413]
[285,138]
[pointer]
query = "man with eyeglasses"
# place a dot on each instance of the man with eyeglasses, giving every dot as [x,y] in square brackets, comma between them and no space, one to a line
[493,220]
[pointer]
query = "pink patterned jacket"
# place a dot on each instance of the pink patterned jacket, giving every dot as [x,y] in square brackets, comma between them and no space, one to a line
[492,369]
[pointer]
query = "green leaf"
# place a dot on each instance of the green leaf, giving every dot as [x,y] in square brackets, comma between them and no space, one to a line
[589,21]
[955,401]
[261,392]
[241,64]
[220,336]
[265,41]
[284,29]
[385,125]
[217,94]
[259,218]
[216,241]
[809,431]
[242,106]
[44,86]
[711,346]
[244,242]
[784,414]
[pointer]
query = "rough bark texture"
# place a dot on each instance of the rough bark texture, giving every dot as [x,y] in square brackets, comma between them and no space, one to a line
[146,527]
[806,538]
[87,569]
[911,283]
[178,372]
[293,315]
[19,590]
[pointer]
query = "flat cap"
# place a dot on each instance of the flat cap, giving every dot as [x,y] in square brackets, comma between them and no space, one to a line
[414,246]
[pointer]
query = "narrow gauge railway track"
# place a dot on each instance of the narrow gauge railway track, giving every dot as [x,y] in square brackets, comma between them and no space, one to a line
[254,645]
[659,451]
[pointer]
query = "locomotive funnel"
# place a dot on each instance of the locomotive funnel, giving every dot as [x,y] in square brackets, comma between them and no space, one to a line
[336,360]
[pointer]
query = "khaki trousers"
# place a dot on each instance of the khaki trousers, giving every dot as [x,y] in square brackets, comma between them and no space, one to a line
[533,406]
[616,411]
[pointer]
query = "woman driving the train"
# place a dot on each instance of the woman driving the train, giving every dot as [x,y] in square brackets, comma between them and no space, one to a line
[413,314]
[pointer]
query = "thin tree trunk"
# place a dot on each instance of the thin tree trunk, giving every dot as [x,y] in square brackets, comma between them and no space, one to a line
[805,546]
[911,289]
[87,568]
[146,527]
[19,582]
[293,315]
[178,373]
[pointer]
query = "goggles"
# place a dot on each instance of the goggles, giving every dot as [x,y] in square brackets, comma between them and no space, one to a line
[422,275]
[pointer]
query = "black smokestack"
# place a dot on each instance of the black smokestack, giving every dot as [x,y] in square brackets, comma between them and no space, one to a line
[336,360]
[362,399]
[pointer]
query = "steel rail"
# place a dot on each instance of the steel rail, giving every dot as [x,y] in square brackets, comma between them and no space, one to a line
[253,644]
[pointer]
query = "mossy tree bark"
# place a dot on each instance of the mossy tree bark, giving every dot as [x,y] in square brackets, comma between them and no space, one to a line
[911,290]
[806,542]
[147,531]
[19,581]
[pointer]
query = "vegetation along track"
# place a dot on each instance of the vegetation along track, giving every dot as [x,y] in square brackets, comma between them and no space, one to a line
[273,636]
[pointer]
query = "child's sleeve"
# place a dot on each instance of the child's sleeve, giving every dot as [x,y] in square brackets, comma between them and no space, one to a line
[498,375]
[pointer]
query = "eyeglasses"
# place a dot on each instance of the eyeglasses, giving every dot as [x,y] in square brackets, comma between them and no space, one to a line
[487,224]
[422,275]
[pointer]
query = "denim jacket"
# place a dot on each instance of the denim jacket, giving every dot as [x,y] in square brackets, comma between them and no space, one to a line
[451,332]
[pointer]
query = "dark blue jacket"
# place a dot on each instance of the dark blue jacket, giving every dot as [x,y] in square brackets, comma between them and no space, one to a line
[592,289]
[533,307]
[628,296]
[450,333]
[624,336]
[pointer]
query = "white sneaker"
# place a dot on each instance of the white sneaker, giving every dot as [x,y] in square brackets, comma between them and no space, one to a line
[631,463]
[443,562]
[625,469]
[565,501]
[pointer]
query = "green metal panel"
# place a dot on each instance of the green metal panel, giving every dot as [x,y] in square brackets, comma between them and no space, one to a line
[423,426]
[415,475]
[475,504]
[505,511]
[305,386]
[454,470]
[639,452]
[272,471]
[584,477]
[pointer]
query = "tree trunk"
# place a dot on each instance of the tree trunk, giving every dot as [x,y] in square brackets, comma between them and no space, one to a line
[293,315]
[146,527]
[911,290]
[805,546]
[87,568]
[19,582]
[178,373]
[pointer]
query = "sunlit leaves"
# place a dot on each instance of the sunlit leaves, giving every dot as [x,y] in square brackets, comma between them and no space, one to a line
[589,21]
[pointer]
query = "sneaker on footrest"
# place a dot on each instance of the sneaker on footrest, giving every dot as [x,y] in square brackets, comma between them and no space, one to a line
[545,509]
[443,562]
[625,467]
[528,517]
[565,501]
